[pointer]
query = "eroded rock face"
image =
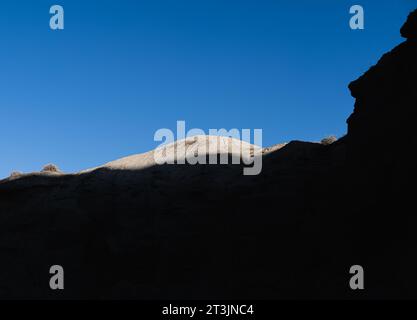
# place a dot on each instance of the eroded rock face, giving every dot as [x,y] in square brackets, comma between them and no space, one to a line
[381,128]
[381,163]
[194,232]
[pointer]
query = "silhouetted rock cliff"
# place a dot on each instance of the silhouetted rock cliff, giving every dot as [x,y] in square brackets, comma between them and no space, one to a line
[409,29]
[210,232]
[382,165]
[386,99]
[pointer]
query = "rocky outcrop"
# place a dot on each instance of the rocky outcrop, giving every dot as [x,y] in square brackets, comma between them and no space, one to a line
[382,165]
[381,126]
[409,29]
[209,232]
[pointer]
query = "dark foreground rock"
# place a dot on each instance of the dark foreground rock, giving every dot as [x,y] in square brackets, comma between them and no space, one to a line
[210,232]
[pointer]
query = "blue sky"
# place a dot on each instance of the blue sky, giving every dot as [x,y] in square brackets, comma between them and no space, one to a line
[120,70]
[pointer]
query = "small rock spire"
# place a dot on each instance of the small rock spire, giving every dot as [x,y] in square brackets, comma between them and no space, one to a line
[409,29]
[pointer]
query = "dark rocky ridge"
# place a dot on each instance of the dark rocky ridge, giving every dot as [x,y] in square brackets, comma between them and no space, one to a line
[209,232]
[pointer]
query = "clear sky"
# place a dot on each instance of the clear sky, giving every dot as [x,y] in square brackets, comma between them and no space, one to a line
[120,70]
